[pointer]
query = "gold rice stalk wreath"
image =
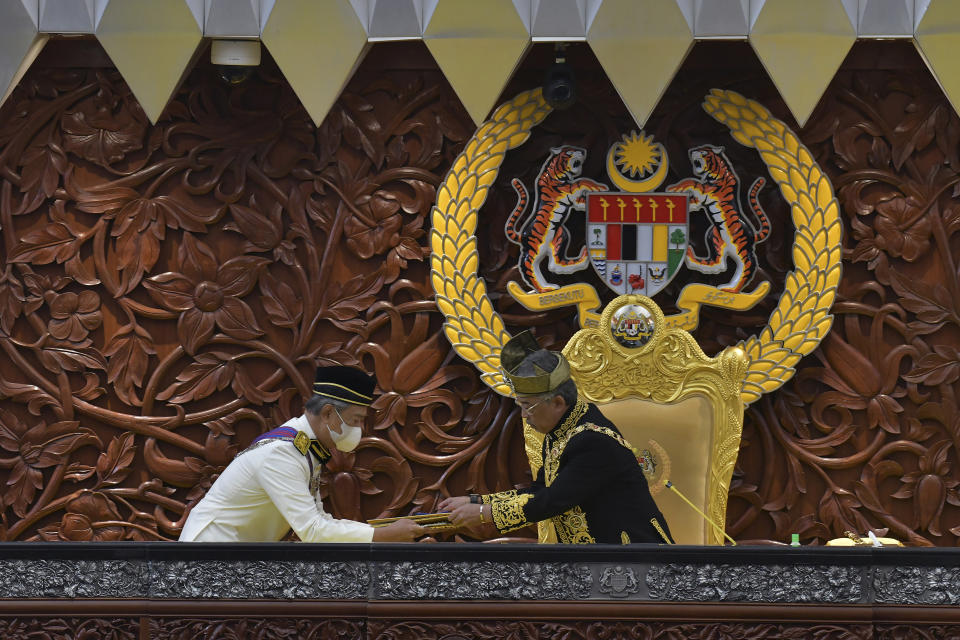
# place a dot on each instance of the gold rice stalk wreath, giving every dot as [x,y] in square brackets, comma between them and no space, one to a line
[802,317]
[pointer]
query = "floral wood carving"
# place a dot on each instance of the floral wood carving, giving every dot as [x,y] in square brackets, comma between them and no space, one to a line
[167,290]
[81,628]
[867,436]
[254,629]
[612,630]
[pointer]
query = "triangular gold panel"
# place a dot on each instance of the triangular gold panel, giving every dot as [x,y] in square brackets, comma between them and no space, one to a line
[394,19]
[36,46]
[67,16]
[317,45]
[232,18]
[721,19]
[802,44]
[641,44]
[477,46]
[558,20]
[152,43]
[938,39]
[885,18]
[19,43]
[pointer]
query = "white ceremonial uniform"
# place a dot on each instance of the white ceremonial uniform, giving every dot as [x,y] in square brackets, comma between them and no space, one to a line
[265,492]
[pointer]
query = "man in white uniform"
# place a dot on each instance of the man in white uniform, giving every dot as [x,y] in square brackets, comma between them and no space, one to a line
[272,486]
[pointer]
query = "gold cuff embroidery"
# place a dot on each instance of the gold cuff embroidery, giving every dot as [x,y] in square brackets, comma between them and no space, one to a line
[508,513]
[490,498]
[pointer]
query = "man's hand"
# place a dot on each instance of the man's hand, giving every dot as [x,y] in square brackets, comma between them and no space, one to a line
[399,531]
[451,503]
[468,516]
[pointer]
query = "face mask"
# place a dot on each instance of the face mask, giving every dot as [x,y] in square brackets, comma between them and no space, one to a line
[348,438]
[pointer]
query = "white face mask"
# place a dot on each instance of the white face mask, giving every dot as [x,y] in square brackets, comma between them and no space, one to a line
[348,438]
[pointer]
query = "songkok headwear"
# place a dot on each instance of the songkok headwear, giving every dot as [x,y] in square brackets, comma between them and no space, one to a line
[347,384]
[514,352]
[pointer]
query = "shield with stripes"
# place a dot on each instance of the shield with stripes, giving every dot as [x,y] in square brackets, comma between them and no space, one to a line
[636,241]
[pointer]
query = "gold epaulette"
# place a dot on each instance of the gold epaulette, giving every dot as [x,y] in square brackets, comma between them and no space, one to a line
[302,442]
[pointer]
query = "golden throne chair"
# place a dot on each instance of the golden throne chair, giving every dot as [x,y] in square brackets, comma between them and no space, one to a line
[680,410]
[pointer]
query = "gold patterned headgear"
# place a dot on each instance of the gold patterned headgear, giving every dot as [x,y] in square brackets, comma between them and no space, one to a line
[513,353]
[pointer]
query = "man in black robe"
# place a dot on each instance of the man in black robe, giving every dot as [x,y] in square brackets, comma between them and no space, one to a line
[590,485]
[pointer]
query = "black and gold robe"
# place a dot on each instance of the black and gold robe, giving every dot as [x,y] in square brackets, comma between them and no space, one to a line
[590,485]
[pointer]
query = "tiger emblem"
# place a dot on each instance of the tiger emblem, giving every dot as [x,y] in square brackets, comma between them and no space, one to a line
[541,234]
[715,190]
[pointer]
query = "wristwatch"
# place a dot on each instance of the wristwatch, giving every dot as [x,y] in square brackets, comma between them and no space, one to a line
[475,499]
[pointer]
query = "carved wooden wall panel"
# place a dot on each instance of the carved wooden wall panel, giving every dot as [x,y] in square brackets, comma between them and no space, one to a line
[866,435]
[167,290]
[254,629]
[612,630]
[85,628]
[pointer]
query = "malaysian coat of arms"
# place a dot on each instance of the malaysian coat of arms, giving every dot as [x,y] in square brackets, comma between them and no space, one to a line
[636,233]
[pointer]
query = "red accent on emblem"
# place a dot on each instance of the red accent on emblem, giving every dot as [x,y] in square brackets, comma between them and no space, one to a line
[613,242]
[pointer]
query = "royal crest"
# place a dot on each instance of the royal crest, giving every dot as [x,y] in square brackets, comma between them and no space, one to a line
[636,241]
[632,326]
[647,462]
[795,327]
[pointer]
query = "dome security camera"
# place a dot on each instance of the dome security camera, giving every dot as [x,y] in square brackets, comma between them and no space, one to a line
[559,86]
[559,83]
[235,59]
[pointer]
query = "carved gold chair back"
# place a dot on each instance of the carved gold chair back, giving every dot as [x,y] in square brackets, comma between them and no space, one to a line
[680,410]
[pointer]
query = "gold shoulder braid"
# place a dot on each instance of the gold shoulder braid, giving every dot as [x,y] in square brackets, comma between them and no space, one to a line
[302,442]
[552,463]
[576,413]
[319,451]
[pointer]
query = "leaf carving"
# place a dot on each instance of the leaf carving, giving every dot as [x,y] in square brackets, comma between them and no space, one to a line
[42,168]
[941,366]
[284,308]
[210,372]
[56,356]
[930,302]
[128,354]
[245,387]
[77,472]
[53,242]
[113,465]
[11,299]
[90,139]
